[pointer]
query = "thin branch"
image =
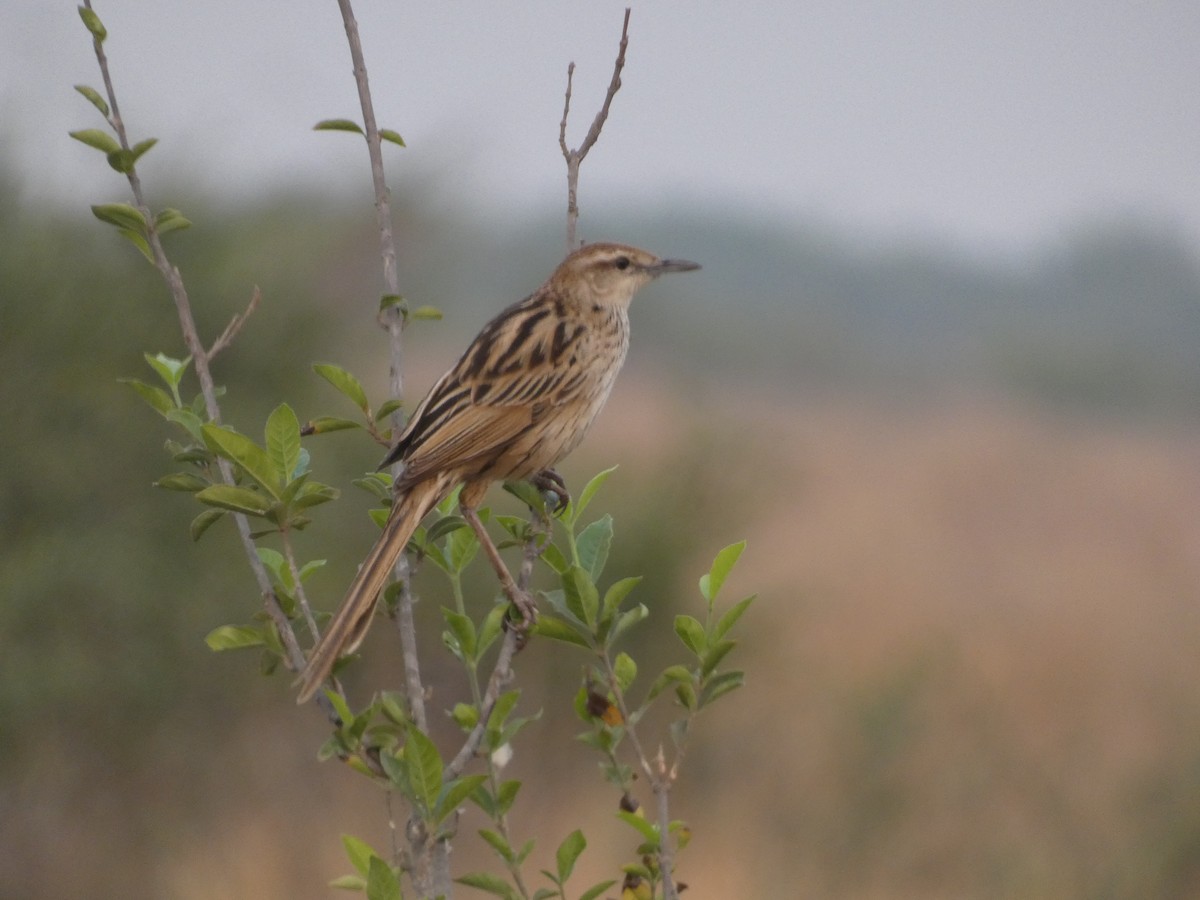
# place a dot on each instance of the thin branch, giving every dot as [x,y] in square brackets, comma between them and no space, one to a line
[407,628]
[393,321]
[301,595]
[235,325]
[200,360]
[657,775]
[562,126]
[575,157]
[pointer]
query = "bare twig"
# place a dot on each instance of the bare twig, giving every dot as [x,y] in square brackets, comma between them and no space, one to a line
[656,772]
[294,658]
[575,157]
[502,669]
[301,595]
[235,325]
[393,321]
[658,776]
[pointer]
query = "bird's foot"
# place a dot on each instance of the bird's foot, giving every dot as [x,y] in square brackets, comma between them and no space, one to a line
[522,615]
[550,482]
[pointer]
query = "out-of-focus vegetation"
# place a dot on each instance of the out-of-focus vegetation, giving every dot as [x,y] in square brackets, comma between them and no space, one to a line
[970,493]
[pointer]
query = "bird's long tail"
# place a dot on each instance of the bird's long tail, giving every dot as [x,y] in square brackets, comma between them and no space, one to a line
[349,624]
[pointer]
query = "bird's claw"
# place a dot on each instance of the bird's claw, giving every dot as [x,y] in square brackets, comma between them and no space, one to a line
[548,481]
[522,616]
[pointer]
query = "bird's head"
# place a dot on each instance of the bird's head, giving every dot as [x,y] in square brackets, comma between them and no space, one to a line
[610,274]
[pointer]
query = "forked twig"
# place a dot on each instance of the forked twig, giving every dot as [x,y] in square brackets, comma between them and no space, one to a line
[235,325]
[575,157]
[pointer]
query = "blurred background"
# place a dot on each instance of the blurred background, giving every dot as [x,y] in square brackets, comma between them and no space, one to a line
[940,369]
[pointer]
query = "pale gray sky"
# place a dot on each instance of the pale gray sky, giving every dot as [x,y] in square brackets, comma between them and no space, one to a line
[993,124]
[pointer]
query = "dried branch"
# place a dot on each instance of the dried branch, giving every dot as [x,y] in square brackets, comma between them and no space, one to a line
[575,157]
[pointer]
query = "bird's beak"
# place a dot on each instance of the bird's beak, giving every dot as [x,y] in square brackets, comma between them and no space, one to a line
[663,266]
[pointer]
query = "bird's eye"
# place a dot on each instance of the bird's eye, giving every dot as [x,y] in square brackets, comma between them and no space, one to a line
[622,262]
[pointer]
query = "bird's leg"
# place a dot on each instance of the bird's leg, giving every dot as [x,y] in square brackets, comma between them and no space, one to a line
[519,598]
[548,481]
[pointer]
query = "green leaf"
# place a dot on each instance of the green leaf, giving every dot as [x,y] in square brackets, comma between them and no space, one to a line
[730,617]
[424,768]
[387,301]
[170,220]
[138,240]
[326,424]
[345,716]
[465,715]
[676,674]
[497,842]
[616,594]
[92,22]
[349,883]
[235,499]
[277,566]
[596,890]
[388,135]
[720,685]
[234,637]
[382,883]
[710,584]
[567,853]
[338,125]
[648,831]
[247,454]
[506,795]
[559,630]
[182,481]
[359,853]
[489,883]
[121,160]
[204,521]
[625,669]
[121,215]
[627,620]
[503,708]
[100,140]
[158,399]
[691,632]
[169,369]
[553,557]
[444,526]
[593,544]
[461,547]
[455,794]
[388,407]
[712,658]
[313,493]
[428,313]
[462,631]
[282,437]
[139,149]
[191,422]
[493,624]
[344,382]
[581,596]
[585,496]
[311,566]
[94,98]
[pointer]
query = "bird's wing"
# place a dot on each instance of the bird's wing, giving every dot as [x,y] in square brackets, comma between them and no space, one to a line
[519,367]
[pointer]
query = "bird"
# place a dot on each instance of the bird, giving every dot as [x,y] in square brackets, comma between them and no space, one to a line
[520,398]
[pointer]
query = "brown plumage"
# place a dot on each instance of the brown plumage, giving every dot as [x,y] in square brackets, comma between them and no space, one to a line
[520,399]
